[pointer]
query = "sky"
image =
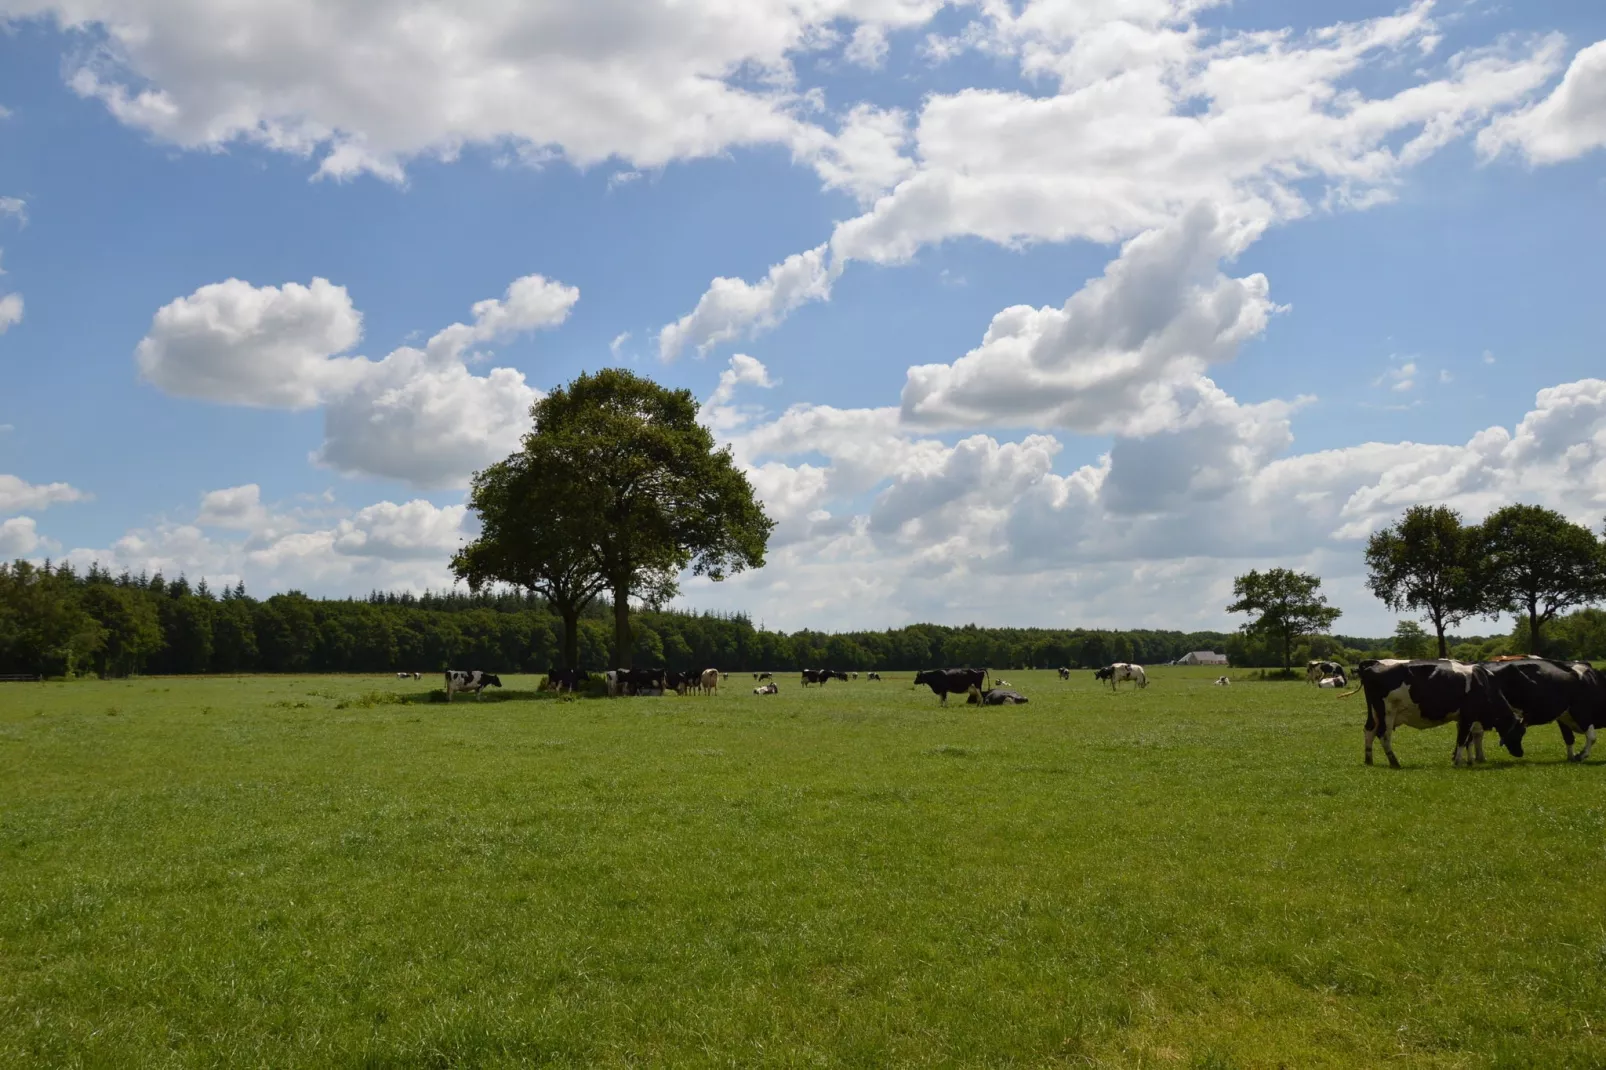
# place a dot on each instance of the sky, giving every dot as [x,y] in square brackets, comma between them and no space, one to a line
[1016,312]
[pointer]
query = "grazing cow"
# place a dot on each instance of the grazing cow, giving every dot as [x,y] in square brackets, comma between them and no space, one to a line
[561,680]
[767,689]
[854,675]
[763,676]
[710,681]
[1222,681]
[820,676]
[635,682]
[404,676]
[1572,694]
[1427,694]
[473,680]
[1122,670]
[1318,670]
[1335,682]
[997,696]
[945,682]
[1065,674]
[418,676]
[873,676]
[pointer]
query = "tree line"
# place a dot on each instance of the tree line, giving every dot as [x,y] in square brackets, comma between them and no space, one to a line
[57,621]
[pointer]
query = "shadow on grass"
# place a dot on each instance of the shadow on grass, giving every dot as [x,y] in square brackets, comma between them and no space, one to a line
[438,697]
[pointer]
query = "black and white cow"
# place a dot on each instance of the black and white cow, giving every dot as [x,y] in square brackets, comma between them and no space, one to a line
[1338,682]
[471,680]
[1572,694]
[1317,671]
[1428,694]
[945,682]
[567,679]
[763,676]
[820,676]
[1122,670]
[872,676]
[767,689]
[1065,674]
[1222,681]
[404,676]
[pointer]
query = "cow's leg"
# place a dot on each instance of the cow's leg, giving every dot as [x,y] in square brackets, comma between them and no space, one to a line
[1371,731]
[1589,744]
[1477,742]
[1566,739]
[1463,735]
[1388,741]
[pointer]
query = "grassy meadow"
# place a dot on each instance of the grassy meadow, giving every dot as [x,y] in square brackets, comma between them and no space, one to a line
[345,871]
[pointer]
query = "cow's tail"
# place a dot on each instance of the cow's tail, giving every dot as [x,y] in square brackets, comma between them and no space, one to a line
[1357,691]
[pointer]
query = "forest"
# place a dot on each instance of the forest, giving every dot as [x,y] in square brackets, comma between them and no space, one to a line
[55,621]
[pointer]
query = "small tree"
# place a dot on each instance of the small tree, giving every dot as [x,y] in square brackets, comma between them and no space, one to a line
[1287,604]
[1428,562]
[1540,564]
[1410,641]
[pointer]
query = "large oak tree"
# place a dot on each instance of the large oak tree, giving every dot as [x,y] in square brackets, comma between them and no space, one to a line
[617,488]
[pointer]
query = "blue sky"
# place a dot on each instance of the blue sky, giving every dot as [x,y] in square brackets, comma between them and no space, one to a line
[1258,284]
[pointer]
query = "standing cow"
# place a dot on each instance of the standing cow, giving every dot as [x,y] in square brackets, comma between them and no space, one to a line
[1428,694]
[710,681]
[945,682]
[1122,670]
[1572,694]
[474,680]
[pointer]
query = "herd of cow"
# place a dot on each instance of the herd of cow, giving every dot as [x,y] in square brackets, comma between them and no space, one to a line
[1507,696]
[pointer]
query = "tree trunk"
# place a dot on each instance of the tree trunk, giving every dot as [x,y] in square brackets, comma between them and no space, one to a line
[1444,649]
[571,637]
[1288,650]
[1533,627]
[621,627]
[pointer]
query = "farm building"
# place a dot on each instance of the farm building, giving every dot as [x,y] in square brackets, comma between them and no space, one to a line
[1202,657]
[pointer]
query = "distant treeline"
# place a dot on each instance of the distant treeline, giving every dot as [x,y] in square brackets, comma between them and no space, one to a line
[56,621]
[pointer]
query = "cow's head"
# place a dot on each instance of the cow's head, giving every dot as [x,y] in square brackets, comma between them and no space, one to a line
[1104,673]
[924,676]
[490,681]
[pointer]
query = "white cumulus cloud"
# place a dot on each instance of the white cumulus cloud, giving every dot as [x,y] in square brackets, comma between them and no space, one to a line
[733,308]
[1568,123]
[17,494]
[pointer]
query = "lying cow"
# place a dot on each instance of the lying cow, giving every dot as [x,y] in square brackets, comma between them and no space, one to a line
[1122,671]
[1339,682]
[1571,694]
[1318,670]
[1428,694]
[996,696]
[767,689]
[404,676]
[1222,681]
[473,680]
[945,682]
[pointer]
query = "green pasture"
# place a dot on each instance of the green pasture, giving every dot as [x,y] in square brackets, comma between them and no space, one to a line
[346,871]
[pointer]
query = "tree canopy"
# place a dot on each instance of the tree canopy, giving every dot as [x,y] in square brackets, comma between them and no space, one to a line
[1286,603]
[1539,564]
[1429,563]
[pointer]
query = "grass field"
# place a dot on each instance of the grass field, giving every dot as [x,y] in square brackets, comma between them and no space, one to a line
[338,871]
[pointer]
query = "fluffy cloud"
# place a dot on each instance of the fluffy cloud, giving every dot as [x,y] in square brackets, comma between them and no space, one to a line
[878,524]
[17,494]
[733,308]
[418,415]
[389,545]
[1114,357]
[15,207]
[10,311]
[268,346]
[19,537]
[368,86]
[1153,116]
[1568,123]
